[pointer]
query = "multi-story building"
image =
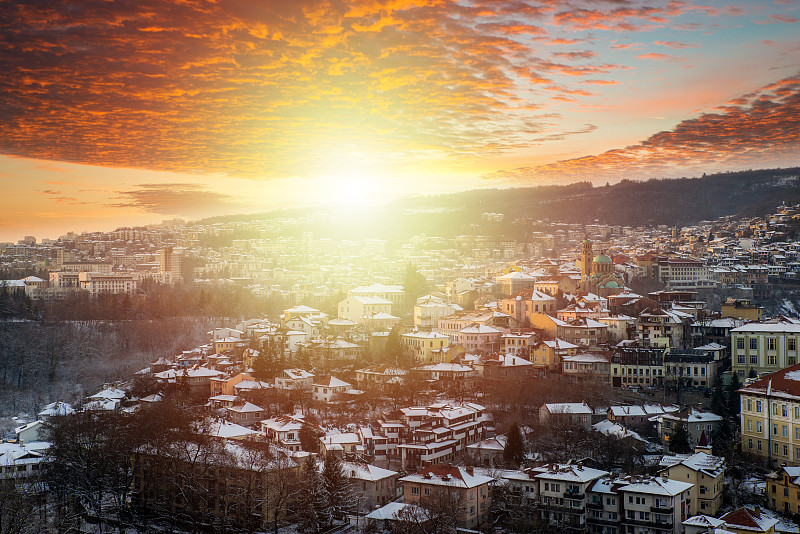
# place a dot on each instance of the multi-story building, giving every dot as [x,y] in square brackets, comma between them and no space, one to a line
[685,274]
[699,425]
[657,327]
[423,346]
[561,492]
[783,490]
[456,491]
[707,474]
[770,417]
[636,367]
[765,346]
[654,504]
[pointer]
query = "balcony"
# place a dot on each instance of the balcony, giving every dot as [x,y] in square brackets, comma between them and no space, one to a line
[662,509]
[595,505]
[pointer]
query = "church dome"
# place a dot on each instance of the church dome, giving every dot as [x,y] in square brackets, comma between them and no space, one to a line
[602,258]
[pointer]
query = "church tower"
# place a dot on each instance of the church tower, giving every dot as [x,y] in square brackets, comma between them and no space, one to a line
[586,259]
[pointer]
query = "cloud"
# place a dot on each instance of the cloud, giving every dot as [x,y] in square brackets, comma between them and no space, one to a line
[173,199]
[776,19]
[273,89]
[676,44]
[659,57]
[760,129]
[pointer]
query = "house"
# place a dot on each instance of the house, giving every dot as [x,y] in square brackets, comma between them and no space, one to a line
[783,490]
[503,367]
[746,520]
[489,452]
[422,346]
[548,354]
[464,491]
[574,413]
[245,413]
[225,386]
[707,474]
[283,431]
[34,431]
[374,486]
[329,389]
[591,365]
[20,461]
[480,338]
[697,423]
[294,379]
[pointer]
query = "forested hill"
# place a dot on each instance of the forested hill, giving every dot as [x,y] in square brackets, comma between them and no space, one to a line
[677,202]
[658,201]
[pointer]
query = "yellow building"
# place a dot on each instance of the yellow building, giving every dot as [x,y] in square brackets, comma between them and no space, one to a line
[783,490]
[765,346]
[742,309]
[423,346]
[770,417]
[548,353]
[705,471]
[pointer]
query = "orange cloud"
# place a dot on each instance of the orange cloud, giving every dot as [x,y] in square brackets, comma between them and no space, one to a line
[760,129]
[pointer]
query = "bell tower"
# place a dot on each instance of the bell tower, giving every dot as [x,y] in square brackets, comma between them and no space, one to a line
[586,259]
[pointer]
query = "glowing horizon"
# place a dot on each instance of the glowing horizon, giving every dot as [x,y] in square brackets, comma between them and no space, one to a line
[120,115]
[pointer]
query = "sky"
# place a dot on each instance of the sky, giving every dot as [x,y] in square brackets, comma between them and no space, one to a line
[120,112]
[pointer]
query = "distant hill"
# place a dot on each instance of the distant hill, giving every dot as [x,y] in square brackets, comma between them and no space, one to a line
[658,201]
[674,202]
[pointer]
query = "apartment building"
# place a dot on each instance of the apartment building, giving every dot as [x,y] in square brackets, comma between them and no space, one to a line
[561,492]
[770,417]
[707,474]
[453,490]
[765,346]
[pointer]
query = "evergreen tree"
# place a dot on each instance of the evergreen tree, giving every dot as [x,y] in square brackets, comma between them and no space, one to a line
[679,441]
[514,451]
[261,367]
[719,404]
[414,285]
[393,351]
[337,485]
[733,396]
[752,373]
[313,508]
[309,440]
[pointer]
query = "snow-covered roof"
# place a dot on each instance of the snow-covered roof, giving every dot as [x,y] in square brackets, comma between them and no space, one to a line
[658,486]
[445,475]
[567,472]
[568,407]
[332,382]
[700,461]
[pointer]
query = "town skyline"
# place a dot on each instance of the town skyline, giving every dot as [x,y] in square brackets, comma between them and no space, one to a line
[125,117]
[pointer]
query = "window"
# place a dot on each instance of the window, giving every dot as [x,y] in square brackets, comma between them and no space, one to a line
[415,490]
[771,359]
[753,343]
[758,426]
[426,491]
[749,405]
[770,343]
[740,343]
[750,425]
[791,344]
[783,410]
[758,406]
[754,359]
